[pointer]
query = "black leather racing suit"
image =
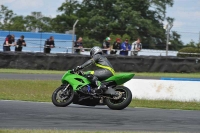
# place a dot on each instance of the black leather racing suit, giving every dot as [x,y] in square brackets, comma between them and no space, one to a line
[106,70]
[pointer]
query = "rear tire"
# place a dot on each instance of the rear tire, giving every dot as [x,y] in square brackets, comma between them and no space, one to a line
[121,103]
[61,98]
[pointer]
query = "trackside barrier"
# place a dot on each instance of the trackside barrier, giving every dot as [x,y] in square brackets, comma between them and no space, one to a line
[176,90]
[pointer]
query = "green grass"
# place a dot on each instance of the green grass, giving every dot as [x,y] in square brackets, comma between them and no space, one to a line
[28,90]
[147,74]
[26,71]
[165,104]
[65,131]
[41,91]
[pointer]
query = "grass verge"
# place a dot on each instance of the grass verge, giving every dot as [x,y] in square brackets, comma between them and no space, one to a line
[63,131]
[41,91]
[165,104]
[26,71]
[147,74]
[28,90]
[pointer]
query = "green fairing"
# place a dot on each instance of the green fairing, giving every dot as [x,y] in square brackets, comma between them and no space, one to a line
[71,79]
[121,78]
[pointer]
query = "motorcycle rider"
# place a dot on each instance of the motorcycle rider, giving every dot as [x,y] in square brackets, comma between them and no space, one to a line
[106,69]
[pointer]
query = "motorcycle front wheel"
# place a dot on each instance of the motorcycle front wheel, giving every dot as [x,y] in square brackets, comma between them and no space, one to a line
[123,99]
[63,96]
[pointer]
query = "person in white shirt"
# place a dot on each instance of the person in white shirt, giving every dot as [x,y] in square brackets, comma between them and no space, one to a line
[136,47]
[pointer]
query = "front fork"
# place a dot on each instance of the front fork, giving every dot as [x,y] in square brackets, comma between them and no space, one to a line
[66,88]
[64,93]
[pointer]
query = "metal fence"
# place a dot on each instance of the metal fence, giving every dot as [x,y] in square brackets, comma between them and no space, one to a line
[35,45]
[63,44]
[85,51]
[35,41]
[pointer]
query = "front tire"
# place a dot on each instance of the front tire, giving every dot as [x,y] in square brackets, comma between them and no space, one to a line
[123,101]
[63,96]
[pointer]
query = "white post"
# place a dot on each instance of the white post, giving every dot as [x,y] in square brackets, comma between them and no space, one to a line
[199,37]
[73,35]
[168,32]
[198,45]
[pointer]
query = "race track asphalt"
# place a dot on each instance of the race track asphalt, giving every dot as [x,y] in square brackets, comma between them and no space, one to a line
[32,115]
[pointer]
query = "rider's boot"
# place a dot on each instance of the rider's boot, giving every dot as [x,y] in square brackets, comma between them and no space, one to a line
[100,88]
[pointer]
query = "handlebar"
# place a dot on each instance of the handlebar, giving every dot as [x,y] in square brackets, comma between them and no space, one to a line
[79,72]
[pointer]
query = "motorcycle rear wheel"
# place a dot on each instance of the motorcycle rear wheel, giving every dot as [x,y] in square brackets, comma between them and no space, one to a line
[61,98]
[121,103]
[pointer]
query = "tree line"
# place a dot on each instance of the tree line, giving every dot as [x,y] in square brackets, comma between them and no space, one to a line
[101,18]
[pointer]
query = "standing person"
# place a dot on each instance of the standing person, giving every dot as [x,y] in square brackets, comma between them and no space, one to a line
[78,44]
[20,43]
[8,42]
[106,45]
[13,39]
[125,47]
[136,47]
[116,46]
[49,43]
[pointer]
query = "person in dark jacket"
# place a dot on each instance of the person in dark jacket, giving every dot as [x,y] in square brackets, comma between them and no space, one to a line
[106,45]
[116,46]
[10,39]
[49,43]
[20,43]
[78,44]
[125,47]
[105,70]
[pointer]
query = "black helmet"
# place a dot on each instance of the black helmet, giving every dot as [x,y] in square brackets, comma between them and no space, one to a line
[95,50]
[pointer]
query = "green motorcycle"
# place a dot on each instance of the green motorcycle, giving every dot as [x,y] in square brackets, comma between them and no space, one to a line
[75,89]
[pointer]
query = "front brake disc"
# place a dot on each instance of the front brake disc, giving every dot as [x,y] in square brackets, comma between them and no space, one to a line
[60,96]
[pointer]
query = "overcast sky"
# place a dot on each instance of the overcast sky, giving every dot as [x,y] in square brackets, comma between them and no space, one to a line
[185,12]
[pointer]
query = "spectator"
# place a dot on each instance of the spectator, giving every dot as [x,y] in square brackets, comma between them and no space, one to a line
[136,47]
[125,47]
[20,43]
[13,39]
[8,42]
[106,45]
[49,43]
[78,44]
[116,46]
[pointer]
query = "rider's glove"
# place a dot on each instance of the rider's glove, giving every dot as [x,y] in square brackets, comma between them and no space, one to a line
[78,68]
